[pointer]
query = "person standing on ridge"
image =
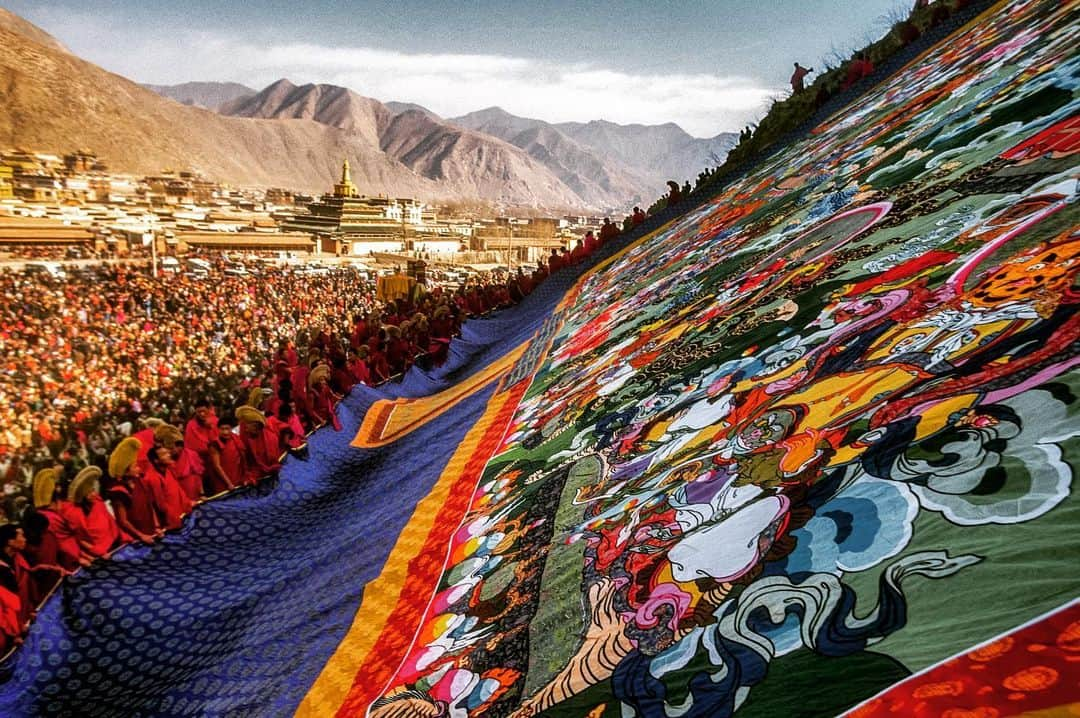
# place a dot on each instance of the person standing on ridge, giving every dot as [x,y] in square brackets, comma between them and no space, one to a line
[798,76]
[675,195]
[608,231]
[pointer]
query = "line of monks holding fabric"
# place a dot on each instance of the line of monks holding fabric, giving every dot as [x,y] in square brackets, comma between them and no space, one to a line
[155,477]
[158,474]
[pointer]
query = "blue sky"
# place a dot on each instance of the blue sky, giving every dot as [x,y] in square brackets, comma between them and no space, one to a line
[709,66]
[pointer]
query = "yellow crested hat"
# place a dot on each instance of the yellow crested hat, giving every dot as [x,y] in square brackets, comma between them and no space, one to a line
[256,397]
[123,456]
[250,415]
[45,487]
[85,482]
[167,435]
[319,373]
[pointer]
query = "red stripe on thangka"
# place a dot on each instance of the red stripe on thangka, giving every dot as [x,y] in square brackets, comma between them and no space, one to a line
[1033,668]
[425,569]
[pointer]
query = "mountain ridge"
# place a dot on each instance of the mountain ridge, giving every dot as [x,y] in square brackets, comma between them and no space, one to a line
[296,136]
[54,101]
[210,95]
[428,146]
[650,154]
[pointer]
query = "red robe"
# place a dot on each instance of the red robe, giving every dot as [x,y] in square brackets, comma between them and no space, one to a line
[28,593]
[341,380]
[170,501]
[230,454]
[67,545]
[46,553]
[75,520]
[360,372]
[261,454]
[10,610]
[188,471]
[146,438]
[360,334]
[380,369]
[397,354]
[100,524]
[610,231]
[137,498]
[290,433]
[197,437]
[322,405]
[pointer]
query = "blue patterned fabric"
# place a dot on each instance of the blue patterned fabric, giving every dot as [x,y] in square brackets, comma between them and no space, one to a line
[236,614]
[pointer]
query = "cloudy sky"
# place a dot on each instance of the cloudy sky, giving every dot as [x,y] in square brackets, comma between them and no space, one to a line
[708,65]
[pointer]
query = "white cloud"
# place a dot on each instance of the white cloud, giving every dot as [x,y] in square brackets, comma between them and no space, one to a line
[449,84]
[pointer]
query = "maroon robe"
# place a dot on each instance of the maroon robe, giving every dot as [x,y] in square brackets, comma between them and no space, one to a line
[188,471]
[170,500]
[28,592]
[197,437]
[100,525]
[67,545]
[230,453]
[261,454]
[137,499]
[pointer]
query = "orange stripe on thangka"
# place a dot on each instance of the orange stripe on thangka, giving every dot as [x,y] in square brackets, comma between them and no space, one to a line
[394,604]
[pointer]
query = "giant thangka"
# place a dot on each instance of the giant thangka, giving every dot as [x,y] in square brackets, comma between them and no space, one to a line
[808,448]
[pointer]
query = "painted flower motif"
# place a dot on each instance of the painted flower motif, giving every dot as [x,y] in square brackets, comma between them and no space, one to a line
[1036,678]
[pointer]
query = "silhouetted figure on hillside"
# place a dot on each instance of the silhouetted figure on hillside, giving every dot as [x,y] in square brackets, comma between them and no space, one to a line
[798,76]
[675,195]
[608,231]
[907,32]
[940,13]
[858,69]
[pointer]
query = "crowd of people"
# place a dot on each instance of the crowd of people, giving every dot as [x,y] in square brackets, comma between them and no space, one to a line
[125,398]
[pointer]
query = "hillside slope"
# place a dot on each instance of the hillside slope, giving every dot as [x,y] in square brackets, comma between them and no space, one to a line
[581,168]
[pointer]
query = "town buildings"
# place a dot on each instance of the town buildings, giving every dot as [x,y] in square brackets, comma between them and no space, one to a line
[361,225]
[50,203]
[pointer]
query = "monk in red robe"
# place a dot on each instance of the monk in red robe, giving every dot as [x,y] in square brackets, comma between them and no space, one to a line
[358,367]
[262,446]
[30,583]
[201,430]
[131,496]
[226,464]
[171,502]
[101,526]
[67,527]
[188,470]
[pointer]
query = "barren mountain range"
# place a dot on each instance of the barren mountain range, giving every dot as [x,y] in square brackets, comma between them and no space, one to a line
[210,95]
[296,136]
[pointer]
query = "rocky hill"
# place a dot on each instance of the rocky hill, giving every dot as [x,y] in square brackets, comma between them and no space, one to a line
[659,152]
[584,170]
[210,95]
[474,164]
[644,155]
